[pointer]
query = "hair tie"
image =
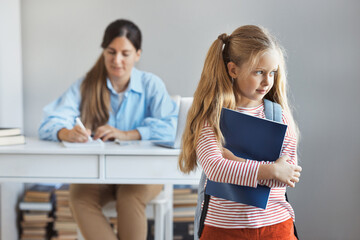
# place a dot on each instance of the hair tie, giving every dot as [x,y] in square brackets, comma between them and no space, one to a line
[224,38]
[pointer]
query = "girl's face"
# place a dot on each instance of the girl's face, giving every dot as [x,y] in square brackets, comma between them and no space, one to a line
[254,82]
[120,57]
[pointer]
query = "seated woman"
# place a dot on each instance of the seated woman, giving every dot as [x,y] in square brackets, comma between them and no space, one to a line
[114,101]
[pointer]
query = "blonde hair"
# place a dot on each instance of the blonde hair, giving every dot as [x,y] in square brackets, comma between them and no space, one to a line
[215,89]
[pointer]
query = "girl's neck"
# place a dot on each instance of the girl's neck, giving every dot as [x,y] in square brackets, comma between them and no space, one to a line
[247,103]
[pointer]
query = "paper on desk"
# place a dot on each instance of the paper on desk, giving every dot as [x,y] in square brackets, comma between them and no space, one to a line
[90,144]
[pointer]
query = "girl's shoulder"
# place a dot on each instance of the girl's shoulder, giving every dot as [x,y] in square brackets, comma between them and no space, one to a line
[286,118]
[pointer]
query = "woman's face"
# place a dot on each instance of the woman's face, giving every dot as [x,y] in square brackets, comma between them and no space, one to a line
[120,57]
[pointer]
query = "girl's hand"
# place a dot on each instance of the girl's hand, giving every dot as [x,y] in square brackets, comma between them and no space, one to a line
[107,132]
[286,172]
[229,155]
[77,134]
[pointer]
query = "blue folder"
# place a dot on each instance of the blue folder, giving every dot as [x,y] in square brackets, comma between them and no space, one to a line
[252,138]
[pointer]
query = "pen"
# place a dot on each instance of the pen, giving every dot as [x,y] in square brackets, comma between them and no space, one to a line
[78,122]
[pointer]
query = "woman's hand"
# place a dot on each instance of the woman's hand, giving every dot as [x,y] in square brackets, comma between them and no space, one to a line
[285,172]
[229,155]
[77,134]
[107,132]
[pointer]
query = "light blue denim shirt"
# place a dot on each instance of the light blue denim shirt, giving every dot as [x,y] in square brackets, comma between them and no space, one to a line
[146,106]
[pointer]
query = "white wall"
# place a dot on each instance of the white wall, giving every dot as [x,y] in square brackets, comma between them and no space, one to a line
[11,103]
[11,95]
[61,41]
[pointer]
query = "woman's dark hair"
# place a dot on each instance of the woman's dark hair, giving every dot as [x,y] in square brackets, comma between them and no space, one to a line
[122,28]
[95,96]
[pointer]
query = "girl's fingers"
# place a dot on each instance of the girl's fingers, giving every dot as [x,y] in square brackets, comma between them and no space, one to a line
[290,184]
[295,179]
[298,169]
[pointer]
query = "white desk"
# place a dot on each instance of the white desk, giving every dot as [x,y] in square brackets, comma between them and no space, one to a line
[43,161]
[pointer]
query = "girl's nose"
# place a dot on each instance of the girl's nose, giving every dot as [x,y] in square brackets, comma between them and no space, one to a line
[267,79]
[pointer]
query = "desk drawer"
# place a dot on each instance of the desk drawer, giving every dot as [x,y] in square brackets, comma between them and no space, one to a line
[49,166]
[142,167]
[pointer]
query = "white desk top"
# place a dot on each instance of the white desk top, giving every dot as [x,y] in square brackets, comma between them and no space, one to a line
[36,146]
[138,163]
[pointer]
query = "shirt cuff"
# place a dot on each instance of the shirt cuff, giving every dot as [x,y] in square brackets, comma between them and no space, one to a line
[144,132]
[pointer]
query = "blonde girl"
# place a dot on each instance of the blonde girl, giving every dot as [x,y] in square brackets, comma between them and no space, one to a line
[241,70]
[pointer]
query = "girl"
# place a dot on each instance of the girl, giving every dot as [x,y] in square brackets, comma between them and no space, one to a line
[241,70]
[114,100]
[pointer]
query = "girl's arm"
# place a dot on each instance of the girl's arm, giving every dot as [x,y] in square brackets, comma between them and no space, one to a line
[219,169]
[282,172]
[289,149]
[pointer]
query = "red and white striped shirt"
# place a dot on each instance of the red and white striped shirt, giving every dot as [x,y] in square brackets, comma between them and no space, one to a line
[228,214]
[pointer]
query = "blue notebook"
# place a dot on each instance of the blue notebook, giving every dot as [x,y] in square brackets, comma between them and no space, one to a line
[252,138]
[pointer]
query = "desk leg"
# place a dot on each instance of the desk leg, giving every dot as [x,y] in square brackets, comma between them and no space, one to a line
[10,194]
[169,222]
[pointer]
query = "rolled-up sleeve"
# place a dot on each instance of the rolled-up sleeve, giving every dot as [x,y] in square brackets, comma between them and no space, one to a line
[60,113]
[161,122]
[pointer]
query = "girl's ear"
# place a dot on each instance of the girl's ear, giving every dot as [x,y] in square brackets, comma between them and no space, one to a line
[233,69]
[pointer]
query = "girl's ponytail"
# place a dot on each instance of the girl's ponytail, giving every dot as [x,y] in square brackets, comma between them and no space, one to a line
[214,91]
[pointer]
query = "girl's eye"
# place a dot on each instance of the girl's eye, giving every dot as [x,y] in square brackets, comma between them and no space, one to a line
[111,52]
[259,72]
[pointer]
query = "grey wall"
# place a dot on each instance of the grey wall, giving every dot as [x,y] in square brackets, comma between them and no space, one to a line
[61,42]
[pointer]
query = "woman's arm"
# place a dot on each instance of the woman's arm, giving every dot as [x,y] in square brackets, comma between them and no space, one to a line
[161,120]
[60,113]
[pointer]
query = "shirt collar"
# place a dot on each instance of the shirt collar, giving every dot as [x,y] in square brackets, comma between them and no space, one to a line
[134,84]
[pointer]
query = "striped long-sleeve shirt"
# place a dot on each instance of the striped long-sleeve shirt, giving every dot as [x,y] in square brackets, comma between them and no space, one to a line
[228,214]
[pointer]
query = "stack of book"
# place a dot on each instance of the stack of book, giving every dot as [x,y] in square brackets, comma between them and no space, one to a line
[65,226]
[37,210]
[185,200]
[11,136]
